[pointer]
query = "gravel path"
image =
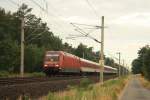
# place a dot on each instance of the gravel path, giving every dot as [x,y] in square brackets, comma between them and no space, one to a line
[135,91]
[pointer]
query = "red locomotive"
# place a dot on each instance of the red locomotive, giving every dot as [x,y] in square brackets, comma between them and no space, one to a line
[61,62]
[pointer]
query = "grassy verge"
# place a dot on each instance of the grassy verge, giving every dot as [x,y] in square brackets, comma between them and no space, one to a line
[110,90]
[144,82]
[5,74]
[35,74]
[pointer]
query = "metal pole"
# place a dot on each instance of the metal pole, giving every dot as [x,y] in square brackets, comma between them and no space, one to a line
[22,48]
[102,51]
[83,55]
[123,71]
[126,69]
[119,63]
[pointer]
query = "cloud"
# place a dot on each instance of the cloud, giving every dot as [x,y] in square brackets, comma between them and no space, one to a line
[136,19]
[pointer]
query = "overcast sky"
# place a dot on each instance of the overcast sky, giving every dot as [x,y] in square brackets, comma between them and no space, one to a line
[127,22]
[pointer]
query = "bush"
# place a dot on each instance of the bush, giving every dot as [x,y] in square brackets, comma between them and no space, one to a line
[84,83]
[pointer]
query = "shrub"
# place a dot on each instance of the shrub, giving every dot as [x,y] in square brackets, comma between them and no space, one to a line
[51,96]
[84,83]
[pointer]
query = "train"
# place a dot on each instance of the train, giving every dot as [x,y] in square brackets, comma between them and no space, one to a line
[60,62]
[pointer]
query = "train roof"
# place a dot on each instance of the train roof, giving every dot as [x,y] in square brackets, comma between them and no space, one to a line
[97,64]
[69,54]
[54,51]
[85,60]
[110,67]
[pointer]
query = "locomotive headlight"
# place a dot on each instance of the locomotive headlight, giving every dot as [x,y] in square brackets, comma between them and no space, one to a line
[45,65]
[56,65]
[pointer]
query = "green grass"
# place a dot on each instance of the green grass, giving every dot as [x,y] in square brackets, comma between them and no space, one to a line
[35,74]
[85,91]
[4,74]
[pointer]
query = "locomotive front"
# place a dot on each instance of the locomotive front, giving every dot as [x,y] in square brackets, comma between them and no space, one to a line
[51,62]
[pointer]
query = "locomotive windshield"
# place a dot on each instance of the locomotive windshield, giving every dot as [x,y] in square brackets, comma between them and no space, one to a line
[52,57]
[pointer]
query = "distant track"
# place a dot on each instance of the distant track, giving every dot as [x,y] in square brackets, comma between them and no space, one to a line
[25,80]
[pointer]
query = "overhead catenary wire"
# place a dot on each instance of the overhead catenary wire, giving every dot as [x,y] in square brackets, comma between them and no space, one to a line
[35,37]
[13,2]
[46,11]
[94,26]
[36,28]
[49,14]
[94,10]
[112,56]
[38,5]
[54,16]
[75,25]
[79,30]
[61,15]
[26,38]
[84,33]
[75,36]
[58,15]
[46,5]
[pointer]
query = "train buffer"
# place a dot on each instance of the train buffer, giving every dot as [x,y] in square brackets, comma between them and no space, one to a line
[135,91]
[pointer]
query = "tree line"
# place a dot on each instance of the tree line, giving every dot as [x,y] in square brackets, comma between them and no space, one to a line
[38,39]
[141,65]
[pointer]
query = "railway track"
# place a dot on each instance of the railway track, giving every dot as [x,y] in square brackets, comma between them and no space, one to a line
[25,80]
[34,87]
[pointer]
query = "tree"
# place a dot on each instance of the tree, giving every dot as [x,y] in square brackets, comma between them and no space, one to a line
[81,50]
[34,58]
[9,55]
[146,64]
[142,63]
[68,48]
[136,66]
[109,62]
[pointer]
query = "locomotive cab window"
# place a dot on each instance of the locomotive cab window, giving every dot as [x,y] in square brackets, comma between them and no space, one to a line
[52,58]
